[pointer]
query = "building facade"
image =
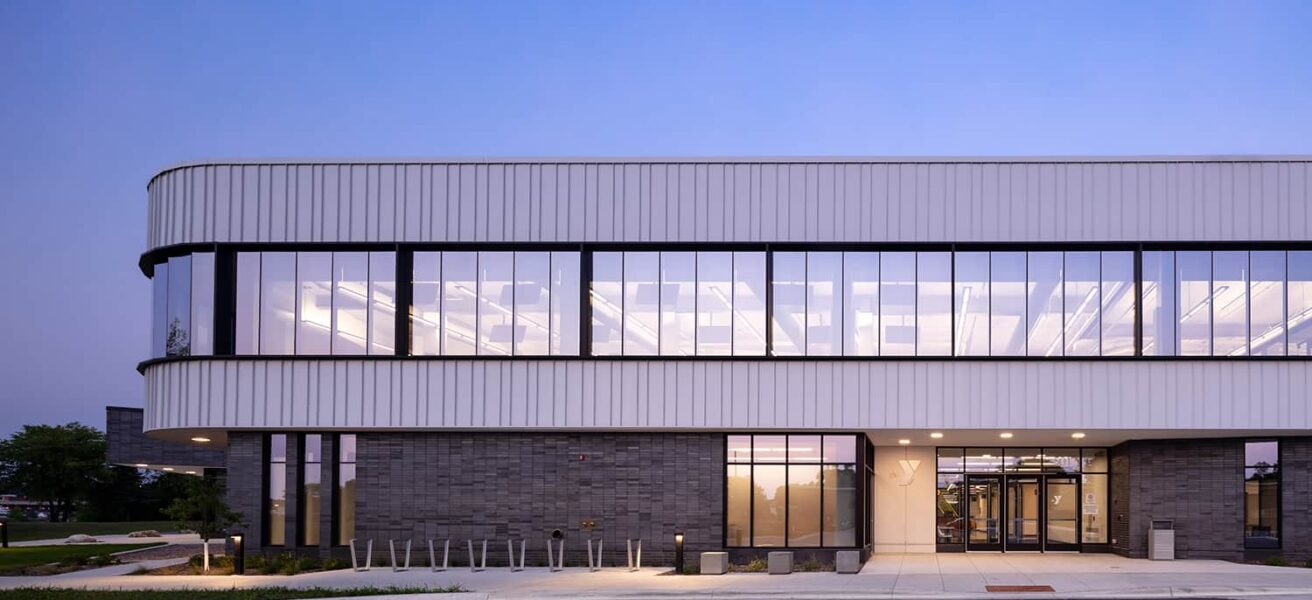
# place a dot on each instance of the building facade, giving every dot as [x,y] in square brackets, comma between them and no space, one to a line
[890,355]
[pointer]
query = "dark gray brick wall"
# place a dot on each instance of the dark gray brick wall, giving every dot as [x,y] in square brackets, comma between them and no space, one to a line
[501,485]
[1296,498]
[246,484]
[128,445]
[1196,483]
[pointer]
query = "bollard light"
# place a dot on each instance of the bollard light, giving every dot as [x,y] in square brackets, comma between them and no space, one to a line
[238,554]
[678,552]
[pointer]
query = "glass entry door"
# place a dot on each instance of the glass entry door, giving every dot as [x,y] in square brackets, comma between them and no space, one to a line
[984,512]
[1062,507]
[1024,513]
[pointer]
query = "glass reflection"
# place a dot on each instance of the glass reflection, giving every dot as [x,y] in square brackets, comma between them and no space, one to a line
[840,514]
[642,303]
[1194,293]
[1007,300]
[314,321]
[382,303]
[972,303]
[1299,325]
[1117,303]
[769,511]
[496,302]
[247,334]
[566,304]
[159,282]
[1230,303]
[804,505]
[202,303]
[532,312]
[1266,289]
[824,309]
[749,303]
[459,302]
[714,303]
[1044,337]
[789,298]
[277,303]
[178,338]
[350,301]
[861,303]
[678,303]
[934,303]
[1083,297]
[426,305]
[1158,304]
[738,508]
[897,303]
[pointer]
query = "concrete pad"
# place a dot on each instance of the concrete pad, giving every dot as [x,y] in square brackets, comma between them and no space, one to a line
[780,563]
[848,562]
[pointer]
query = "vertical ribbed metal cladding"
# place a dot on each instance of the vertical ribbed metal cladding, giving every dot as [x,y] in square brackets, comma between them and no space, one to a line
[404,299]
[225,302]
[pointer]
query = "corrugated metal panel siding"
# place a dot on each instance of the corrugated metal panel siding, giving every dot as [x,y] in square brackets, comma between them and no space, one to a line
[732,201]
[333,393]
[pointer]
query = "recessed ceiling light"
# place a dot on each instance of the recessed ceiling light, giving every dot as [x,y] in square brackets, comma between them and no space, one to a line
[1078,435]
[191,472]
[1006,435]
[938,435]
[202,440]
[168,468]
[141,465]
[904,441]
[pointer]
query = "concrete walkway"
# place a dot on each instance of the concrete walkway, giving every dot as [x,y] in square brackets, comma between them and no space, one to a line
[168,538]
[885,576]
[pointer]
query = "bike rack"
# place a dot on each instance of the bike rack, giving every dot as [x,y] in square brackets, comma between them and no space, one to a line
[594,566]
[473,567]
[432,555]
[368,556]
[391,548]
[635,565]
[511,547]
[555,562]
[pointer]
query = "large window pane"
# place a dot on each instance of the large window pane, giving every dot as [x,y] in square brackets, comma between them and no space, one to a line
[275,522]
[459,302]
[738,509]
[749,303]
[314,319]
[1117,303]
[934,303]
[426,305]
[769,511]
[1044,337]
[278,303]
[248,304]
[678,303]
[1194,288]
[311,477]
[861,303]
[642,303]
[1096,517]
[1159,304]
[159,282]
[824,308]
[1007,300]
[345,505]
[897,303]
[971,275]
[1266,291]
[804,448]
[496,301]
[803,505]
[1082,330]
[178,342]
[714,303]
[350,302]
[566,309]
[532,332]
[382,303]
[789,297]
[607,299]
[840,514]
[1299,328]
[1262,494]
[739,449]
[202,303]
[1230,303]
[950,518]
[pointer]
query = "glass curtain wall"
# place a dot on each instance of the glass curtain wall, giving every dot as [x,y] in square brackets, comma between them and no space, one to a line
[1262,494]
[311,477]
[182,317]
[678,303]
[795,491]
[275,521]
[344,504]
[494,304]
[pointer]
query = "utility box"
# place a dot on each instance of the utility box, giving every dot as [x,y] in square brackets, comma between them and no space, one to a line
[1161,540]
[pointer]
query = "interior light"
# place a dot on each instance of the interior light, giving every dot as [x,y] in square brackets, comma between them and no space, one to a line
[904,441]
[201,440]
[1006,435]
[938,435]
[1078,435]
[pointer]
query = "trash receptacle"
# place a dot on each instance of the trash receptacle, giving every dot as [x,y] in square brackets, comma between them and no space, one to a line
[1161,540]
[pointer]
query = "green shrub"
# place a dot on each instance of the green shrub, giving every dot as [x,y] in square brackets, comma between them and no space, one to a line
[335,564]
[104,560]
[758,565]
[1275,561]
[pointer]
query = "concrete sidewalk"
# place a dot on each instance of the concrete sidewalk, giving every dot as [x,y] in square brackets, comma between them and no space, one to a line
[884,576]
[168,538]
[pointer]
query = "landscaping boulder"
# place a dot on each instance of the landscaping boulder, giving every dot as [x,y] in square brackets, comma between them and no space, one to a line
[80,538]
[145,533]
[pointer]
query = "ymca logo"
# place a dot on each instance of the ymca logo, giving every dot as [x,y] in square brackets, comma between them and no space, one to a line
[908,475]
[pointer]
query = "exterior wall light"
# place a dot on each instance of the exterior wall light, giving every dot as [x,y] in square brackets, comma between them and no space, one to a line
[141,465]
[904,442]
[1006,435]
[238,554]
[678,552]
[938,435]
[201,440]
[1078,435]
[169,469]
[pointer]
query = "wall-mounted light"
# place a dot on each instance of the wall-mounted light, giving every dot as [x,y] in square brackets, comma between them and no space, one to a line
[1006,435]
[678,552]
[201,440]
[904,441]
[169,469]
[141,465]
[938,435]
[1079,435]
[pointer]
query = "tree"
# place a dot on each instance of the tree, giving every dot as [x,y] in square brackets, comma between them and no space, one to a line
[57,465]
[202,509]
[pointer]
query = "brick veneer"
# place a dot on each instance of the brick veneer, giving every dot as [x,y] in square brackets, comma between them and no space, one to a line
[1296,498]
[127,444]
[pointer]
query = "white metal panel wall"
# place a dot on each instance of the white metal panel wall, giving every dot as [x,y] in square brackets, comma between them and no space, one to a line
[879,201]
[355,393]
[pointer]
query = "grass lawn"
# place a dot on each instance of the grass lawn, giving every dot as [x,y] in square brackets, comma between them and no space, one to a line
[272,593]
[15,559]
[23,531]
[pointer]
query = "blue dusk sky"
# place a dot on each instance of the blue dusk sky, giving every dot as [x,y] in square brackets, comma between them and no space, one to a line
[97,96]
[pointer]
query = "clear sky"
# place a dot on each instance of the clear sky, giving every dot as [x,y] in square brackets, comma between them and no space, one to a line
[97,96]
